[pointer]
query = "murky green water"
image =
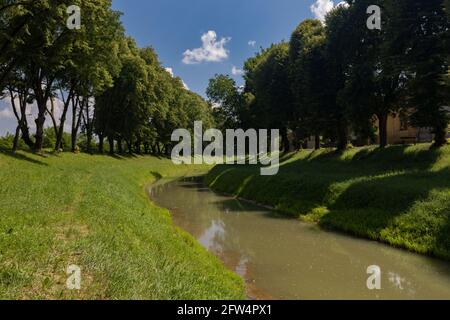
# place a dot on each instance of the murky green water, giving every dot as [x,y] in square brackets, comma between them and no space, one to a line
[286,259]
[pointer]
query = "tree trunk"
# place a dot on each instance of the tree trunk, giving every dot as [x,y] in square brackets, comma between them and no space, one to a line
[167,150]
[440,136]
[119,146]
[100,143]
[342,137]
[76,122]
[16,139]
[40,121]
[111,145]
[382,123]
[51,112]
[41,97]
[317,142]
[88,126]
[138,146]
[284,140]
[60,132]
[129,146]
[22,119]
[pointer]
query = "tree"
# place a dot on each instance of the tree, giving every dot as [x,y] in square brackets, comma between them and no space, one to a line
[373,86]
[224,96]
[267,79]
[307,61]
[86,74]
[417,35]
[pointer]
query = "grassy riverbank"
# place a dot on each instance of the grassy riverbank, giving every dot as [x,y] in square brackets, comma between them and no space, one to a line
[92,211]
[400,195]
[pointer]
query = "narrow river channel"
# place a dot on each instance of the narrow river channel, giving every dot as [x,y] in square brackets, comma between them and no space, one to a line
[283,258]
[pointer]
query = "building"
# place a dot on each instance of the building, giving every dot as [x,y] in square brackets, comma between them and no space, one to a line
[399,131]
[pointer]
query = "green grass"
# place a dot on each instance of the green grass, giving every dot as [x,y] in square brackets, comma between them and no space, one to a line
[92,211]
[400,195]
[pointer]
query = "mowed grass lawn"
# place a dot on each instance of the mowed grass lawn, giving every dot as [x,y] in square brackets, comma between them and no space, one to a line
[92,211]
[400,195]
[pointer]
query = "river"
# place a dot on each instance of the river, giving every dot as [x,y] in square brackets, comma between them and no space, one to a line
[282,258]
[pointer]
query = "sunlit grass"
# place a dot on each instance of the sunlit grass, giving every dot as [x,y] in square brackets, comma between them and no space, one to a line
[92,211]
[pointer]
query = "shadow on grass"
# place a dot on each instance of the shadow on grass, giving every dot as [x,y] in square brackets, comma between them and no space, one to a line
[383,194]
[22,156]
[124,156]
[410,210]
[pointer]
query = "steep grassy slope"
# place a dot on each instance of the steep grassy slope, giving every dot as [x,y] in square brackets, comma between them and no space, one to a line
[400,195]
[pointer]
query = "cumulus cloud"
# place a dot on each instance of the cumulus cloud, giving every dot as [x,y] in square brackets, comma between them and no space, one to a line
[170,71]
[321,7]
[252,43]
[212,50]
[236,71]
[184,84]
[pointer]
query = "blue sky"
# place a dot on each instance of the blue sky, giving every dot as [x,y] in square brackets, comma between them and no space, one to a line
[174,26]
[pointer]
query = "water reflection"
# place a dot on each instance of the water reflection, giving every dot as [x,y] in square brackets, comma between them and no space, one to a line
[213,236]
[286,259]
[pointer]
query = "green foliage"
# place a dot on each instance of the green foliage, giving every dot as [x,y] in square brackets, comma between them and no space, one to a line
[50,139]
[146,103]
[6,142]
[417,35]
[307,69]
[343,76]
[267,89]
[224,95]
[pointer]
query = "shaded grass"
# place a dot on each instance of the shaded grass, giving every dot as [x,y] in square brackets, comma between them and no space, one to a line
[400,195]
[92,211]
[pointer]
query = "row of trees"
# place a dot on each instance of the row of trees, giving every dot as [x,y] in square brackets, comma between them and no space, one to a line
[112,89]
[340,77]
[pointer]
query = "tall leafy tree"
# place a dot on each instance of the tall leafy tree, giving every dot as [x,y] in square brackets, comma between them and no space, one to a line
[373,85]
[417,33]
[226,98]
[267,78]
[338,26]
[92,63]
[307,67]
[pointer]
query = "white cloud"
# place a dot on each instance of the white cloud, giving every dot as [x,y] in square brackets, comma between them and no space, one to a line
[236,71]
[342,3]
[321,7]
[212,50]
[170,71]
[252,43]
[7,113]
